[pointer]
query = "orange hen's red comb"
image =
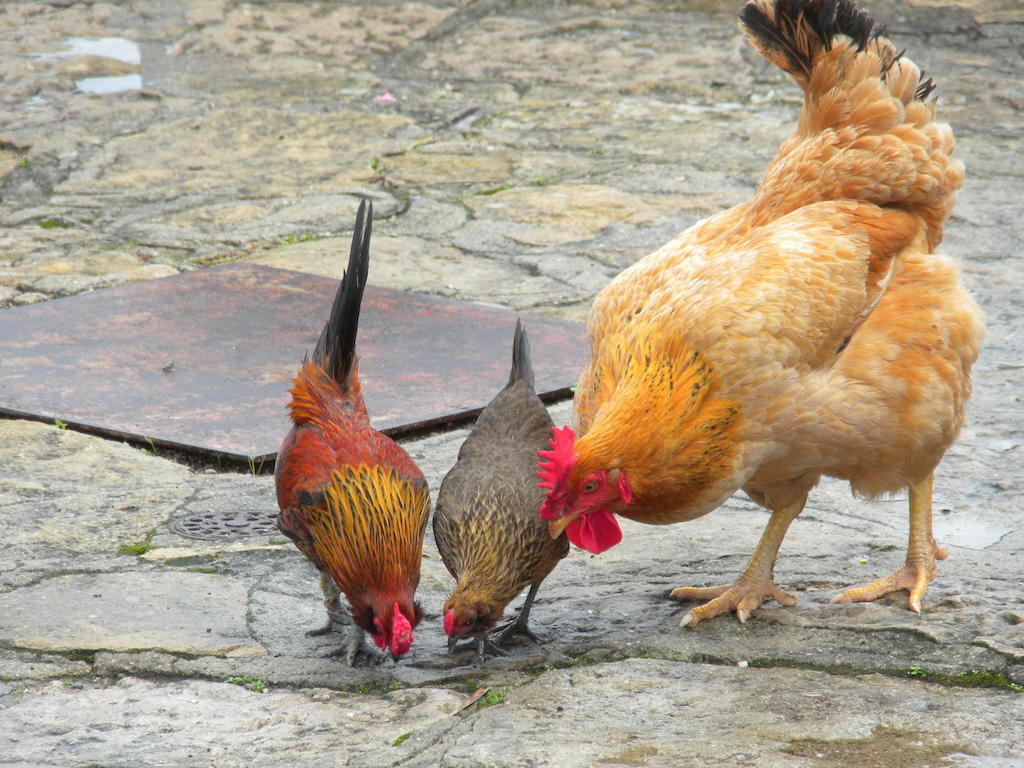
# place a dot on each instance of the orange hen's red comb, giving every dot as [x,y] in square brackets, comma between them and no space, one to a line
[555,464]
[553,469]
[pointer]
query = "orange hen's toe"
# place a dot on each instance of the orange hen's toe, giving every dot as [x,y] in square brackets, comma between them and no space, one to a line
[743,597]
[755,584]
[913,577]
[922,552]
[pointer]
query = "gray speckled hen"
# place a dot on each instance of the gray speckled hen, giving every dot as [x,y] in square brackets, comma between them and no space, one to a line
[486,524]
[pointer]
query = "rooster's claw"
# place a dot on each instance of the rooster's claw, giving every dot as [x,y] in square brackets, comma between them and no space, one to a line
[336,622]
[356,645]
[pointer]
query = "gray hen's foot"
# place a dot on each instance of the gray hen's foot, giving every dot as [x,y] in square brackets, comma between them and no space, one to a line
[520,625]
[517,627]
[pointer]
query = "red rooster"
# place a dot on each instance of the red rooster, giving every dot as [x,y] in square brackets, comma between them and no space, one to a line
[351,499]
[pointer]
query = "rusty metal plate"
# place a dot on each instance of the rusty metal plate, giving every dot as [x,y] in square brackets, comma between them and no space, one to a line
[202,361]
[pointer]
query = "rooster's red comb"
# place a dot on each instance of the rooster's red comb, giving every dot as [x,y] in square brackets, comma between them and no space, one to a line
[401,633]
[553,468]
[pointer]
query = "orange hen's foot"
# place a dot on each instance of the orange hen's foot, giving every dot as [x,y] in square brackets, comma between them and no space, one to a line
[744,597]
[755,585]
[913,577]
[922,552]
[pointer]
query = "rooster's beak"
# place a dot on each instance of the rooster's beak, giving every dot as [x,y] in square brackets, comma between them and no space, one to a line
[557,527]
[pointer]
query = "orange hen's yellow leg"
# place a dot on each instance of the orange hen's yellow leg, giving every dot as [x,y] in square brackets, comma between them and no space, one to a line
[755,585]
[922,552]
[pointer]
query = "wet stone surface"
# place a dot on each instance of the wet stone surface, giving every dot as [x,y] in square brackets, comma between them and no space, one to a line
[519,154]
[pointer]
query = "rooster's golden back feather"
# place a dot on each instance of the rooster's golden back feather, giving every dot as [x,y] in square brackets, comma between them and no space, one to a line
[364,527]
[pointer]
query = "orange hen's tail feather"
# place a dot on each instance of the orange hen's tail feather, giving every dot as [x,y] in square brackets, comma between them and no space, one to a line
[792,34]
[867,129]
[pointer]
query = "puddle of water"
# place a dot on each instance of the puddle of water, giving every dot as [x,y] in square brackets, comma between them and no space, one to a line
[970,534]
[109,84]
[117,48]
[111,47]
[961,760]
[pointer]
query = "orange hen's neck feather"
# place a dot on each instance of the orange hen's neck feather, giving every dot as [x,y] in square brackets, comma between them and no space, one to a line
[658,417]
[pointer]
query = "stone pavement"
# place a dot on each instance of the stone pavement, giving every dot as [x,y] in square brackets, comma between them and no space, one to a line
[518,153]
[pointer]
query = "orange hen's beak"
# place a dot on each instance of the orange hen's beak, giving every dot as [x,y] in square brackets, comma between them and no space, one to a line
[557,527]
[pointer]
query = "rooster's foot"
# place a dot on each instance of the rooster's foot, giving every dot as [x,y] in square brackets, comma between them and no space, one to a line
[336,622]
[743,597]
[356,646]
[913,577]
[339,621]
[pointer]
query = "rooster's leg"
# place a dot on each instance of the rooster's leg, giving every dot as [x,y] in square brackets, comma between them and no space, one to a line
[355,643]
[755,585]
[519,626]
[338,619]
[922,552]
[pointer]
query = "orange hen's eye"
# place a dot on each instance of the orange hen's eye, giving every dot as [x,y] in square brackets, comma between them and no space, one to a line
[590,486]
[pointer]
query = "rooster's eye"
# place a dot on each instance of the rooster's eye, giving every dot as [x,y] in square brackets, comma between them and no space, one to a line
[590,487]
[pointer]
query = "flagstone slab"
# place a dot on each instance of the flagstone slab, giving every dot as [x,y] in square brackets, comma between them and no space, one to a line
[177,612]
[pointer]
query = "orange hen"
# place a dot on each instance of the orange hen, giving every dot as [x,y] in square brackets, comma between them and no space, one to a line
[351,498]
[810,331]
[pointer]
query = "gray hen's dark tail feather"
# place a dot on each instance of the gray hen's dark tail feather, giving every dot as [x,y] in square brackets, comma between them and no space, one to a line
[336,348]
[522,368]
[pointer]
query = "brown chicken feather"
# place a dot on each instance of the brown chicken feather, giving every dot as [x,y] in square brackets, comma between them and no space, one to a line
[810,331]
[485,523]
[351,498]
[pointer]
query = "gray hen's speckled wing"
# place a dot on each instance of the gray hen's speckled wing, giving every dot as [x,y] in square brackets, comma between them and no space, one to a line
[485,523]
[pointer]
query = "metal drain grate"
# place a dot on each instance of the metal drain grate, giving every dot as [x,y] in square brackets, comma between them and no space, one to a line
[219,526]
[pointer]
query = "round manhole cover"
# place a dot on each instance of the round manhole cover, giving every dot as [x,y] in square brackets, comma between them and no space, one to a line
[239,524]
